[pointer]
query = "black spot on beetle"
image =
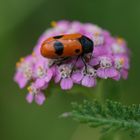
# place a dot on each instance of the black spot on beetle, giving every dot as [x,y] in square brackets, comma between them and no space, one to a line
[87,44]
[77,50]
[58,48]
[58,37]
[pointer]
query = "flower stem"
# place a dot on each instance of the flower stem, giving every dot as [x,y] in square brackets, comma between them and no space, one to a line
[99,93]
[100,96]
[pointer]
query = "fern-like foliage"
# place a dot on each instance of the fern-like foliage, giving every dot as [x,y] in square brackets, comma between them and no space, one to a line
[111,115]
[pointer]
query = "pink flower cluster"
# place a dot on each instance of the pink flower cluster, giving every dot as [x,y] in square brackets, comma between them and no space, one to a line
[110,59]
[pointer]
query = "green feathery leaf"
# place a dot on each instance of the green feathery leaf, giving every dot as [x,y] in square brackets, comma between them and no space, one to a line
[112,116]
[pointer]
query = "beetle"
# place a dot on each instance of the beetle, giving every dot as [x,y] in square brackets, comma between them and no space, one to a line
[66,46]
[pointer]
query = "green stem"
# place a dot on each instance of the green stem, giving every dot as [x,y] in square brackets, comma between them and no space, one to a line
[99,93]
[100,96]
[84,132]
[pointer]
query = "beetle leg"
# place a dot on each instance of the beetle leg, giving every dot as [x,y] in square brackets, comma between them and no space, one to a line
[59,61]
[83,59]
[74,64]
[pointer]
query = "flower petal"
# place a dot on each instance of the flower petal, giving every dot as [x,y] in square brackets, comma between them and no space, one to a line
[88,81]
[40,83]
[40,98]
[29,97]
[79,63]
[57,78]
[101,73]
[99,51]
[94,62]
[17,76]
[124,73]
[117,78]
[20,79]
[77,77]
[49,75]
[111,72]
[66,83]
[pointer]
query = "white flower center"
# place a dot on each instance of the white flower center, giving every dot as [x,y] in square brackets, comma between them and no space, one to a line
[26,69]
[32,89]
[105,62]
[98,39]
[119,63]
[40,72]
[65,71]
[116,48]
[91,72]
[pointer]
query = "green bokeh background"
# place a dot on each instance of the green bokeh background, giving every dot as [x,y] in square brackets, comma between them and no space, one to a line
[21,23]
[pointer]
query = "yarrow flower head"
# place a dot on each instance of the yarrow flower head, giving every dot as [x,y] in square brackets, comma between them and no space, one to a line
[109,59]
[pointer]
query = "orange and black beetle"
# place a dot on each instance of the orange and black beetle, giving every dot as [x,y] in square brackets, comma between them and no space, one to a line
[67,45]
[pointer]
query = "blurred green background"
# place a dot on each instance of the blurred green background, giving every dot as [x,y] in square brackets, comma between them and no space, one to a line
[21,23]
